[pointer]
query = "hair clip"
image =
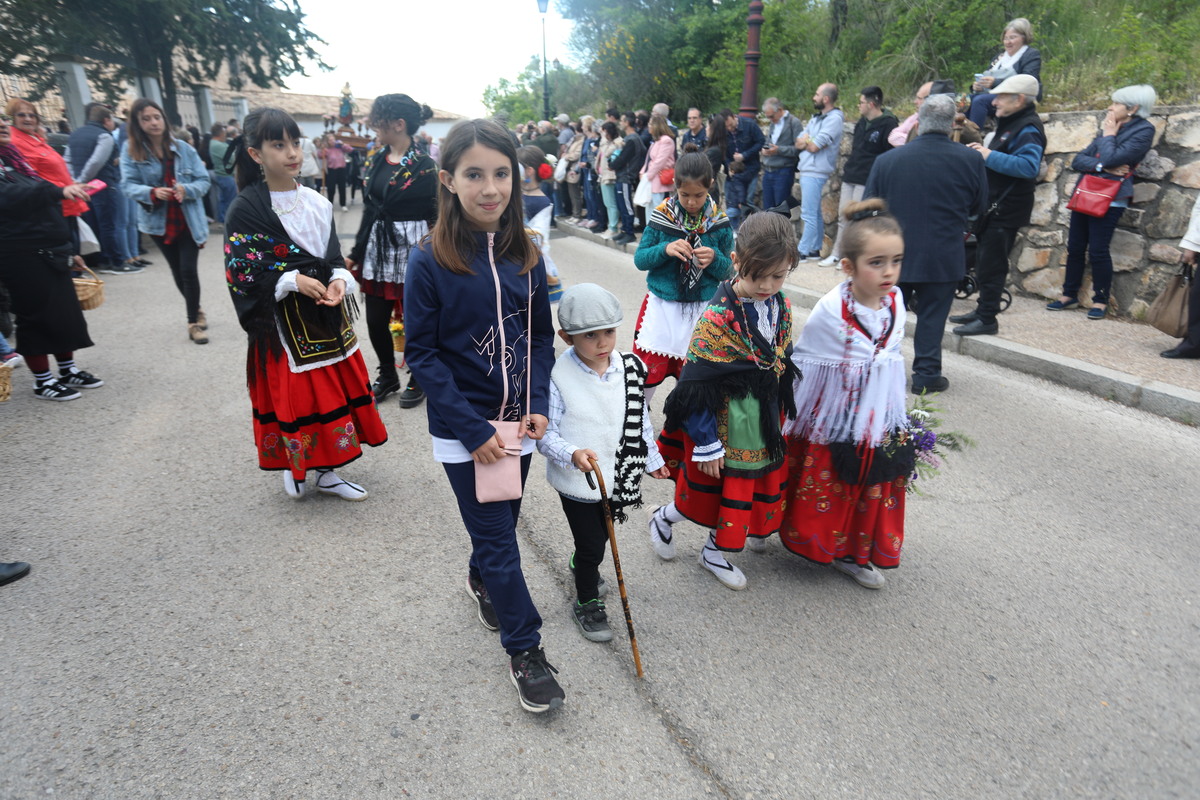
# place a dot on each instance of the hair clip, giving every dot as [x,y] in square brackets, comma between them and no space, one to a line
[866,213]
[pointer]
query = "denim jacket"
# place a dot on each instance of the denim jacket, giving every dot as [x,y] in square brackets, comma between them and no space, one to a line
[138,178]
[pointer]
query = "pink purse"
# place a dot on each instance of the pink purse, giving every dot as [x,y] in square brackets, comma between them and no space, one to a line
[501,480]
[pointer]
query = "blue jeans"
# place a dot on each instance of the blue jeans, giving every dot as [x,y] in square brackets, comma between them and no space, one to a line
[737,190]
[609,192]
[591,195]
[776,186]
[625,206]
[981,108]
[104,216]
[133,239]
[496,558]
[1091,235]
[810,211]
[227,187]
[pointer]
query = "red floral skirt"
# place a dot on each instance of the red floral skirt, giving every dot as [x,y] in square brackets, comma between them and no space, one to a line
[314,419]
[658,366]
[735,507]
[827,518]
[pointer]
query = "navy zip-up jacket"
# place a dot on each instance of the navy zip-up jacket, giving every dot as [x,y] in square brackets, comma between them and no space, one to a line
[453,343]
[1130,145]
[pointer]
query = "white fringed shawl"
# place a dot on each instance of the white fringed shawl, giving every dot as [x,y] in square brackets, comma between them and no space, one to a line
[826,404]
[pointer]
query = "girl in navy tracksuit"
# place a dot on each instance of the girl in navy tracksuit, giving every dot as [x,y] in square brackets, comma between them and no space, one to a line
[467,365]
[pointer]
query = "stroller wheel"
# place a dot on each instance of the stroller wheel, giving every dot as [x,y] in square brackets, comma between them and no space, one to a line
[1005,300]
[966,288]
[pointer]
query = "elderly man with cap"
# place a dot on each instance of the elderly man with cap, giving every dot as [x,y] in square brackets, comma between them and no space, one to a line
[1013,160]
[932,186]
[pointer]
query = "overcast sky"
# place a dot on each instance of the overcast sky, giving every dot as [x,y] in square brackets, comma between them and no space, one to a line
[443,53]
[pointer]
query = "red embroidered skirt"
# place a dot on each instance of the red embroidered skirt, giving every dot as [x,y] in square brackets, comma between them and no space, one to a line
[658,366]
[735,507]
[314,419]
[827,518]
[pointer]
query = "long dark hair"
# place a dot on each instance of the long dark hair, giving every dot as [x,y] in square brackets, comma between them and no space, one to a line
[262,124]
[718,134]
[391,107]
[453,242]
[140,146]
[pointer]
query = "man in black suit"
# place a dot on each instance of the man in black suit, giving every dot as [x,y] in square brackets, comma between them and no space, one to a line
[932,186]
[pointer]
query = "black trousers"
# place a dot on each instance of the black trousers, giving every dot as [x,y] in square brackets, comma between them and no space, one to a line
[335,178]
[991,269]
[379,316]
[181,256]
[591,535]
[1192,340]
[930,301]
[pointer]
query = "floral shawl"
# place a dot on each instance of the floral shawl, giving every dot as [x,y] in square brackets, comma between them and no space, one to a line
[258,251]
[670,218]
[742,379]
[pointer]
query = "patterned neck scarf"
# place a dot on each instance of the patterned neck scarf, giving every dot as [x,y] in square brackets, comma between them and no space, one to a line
[12,157]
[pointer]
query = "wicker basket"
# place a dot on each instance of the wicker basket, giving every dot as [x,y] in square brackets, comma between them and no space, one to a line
[89,290]
[5,383]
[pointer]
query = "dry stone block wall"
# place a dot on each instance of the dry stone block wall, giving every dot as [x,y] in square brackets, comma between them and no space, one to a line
[1145,247]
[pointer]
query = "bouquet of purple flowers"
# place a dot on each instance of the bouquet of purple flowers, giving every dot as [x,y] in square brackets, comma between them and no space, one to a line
[929,443]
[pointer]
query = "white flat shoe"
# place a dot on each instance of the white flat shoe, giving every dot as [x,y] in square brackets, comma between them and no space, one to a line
[328,482]
[664,545]
[756,544]
[726,573]
[865,574]
[295,489]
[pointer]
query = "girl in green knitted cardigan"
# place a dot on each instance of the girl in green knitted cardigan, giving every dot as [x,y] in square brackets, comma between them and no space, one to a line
[685,251]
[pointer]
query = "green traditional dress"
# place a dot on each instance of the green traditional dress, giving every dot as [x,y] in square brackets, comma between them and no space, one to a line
[731,398]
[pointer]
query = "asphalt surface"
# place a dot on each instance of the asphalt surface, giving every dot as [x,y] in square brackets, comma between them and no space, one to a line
[190,631]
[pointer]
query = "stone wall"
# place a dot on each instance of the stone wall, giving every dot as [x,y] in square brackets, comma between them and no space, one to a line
[1145,246]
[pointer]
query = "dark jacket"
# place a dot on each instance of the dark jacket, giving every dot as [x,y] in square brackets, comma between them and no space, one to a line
[82,144]
[548,142]
[687,137]
[453,346]
[627,162]
[1129,146]
[1030,63]
[748,140]
[931,185]
[417,202]
[30,213]
[1013,167]
[870,141]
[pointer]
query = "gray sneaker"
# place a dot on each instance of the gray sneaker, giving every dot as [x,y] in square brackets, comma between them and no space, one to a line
[592,620]
[121,269]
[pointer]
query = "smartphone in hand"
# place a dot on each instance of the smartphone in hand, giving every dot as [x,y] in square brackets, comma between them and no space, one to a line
[94,186]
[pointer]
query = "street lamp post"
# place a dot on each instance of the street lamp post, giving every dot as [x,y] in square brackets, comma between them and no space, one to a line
[543,5]
[754,21]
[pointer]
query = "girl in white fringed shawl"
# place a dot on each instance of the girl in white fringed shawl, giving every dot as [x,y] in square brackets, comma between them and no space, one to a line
[848,459]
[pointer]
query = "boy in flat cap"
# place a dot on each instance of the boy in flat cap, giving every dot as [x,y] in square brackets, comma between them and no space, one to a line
[597,410]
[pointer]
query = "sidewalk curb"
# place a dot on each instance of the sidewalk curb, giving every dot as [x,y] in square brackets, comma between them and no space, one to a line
[1153,397]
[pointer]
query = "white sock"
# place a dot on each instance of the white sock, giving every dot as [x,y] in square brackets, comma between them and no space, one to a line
[712,554]
[671,514]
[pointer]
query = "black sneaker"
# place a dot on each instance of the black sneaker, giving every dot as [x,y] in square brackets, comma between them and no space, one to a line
[533,676]
[385,385]
[592,620]
[78,379]
[412,396]
[121,269]
[53,390]
[601,585]
[487,613]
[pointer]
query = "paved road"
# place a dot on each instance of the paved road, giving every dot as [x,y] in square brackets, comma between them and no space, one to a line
[189,631]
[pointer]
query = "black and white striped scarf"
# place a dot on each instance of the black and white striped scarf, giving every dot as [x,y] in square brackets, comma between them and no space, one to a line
[631,453]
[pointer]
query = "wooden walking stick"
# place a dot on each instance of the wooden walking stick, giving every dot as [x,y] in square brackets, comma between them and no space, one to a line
[612,541]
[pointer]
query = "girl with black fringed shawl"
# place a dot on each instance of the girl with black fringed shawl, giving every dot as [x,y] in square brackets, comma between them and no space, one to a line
[722,439]
[309,388]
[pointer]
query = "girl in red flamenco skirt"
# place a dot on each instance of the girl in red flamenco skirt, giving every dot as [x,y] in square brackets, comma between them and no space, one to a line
[722,440]
[849,457]
[309,388]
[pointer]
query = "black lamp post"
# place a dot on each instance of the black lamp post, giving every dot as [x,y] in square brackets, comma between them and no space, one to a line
[543,5]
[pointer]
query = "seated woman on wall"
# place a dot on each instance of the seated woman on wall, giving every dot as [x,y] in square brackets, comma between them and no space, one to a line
[1017,58]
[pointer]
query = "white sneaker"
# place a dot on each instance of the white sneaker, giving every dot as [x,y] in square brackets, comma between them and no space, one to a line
[328,482]
[296,490]
[609,235]
[865,574]
[718,565]
[829,261]
[345,209]
[661,538]
[756,544]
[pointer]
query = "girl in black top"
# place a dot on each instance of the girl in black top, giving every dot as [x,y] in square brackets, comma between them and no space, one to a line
[399,206]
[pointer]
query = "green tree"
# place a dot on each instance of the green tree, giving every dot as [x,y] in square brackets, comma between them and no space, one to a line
[179,41]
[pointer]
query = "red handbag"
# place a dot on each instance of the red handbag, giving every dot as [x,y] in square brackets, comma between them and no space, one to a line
[1093,195]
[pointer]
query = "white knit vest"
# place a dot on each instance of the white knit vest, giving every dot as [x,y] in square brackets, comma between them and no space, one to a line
[593,419]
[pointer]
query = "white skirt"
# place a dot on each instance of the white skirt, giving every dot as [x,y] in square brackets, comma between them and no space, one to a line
[667,326]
